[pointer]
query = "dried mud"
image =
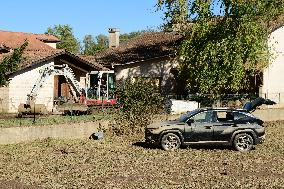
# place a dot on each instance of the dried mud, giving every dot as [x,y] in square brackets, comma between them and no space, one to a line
[126,162]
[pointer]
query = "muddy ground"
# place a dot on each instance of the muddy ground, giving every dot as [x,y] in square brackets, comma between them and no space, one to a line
[125,162]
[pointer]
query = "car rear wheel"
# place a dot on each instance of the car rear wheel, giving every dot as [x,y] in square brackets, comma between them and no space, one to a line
[243,142]
[170,142]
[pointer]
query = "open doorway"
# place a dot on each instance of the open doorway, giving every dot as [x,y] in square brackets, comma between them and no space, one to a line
[62,89]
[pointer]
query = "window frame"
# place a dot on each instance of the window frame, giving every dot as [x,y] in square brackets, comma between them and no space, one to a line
[206,112]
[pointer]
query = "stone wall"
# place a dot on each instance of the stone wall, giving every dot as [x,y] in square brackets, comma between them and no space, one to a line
[64,131]
[4,99]
[270,114]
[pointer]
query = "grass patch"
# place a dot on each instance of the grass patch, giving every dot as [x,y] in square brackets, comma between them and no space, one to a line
[52,120]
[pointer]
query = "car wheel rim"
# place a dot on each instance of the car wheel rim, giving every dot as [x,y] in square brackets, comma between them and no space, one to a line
[171,143]
[244,143]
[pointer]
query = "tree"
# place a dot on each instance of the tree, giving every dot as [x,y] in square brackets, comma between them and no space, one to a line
[102,41]
[225,43]
[92,46]
[127,36]
[140,102]
[89,43]
[66,36]
[176,12]
[11,63]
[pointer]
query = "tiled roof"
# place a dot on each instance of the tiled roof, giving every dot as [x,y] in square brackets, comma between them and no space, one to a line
[85,58]
[47,38]
[37,51]
[15,39]
[35,57]
[152,45]
[146,46]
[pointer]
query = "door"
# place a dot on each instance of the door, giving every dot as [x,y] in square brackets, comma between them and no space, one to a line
[224,126]
[200,127]
[56,87]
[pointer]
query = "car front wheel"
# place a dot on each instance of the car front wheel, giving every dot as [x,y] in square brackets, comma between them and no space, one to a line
[170,142]
[243,142]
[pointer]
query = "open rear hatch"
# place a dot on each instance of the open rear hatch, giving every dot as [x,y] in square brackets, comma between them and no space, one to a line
[251,106]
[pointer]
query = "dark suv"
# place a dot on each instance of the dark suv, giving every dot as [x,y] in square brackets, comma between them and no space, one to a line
[235,127]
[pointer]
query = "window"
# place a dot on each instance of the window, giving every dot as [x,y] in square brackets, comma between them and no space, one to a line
[186,116]
[239,116]
[203,117]
[225,116]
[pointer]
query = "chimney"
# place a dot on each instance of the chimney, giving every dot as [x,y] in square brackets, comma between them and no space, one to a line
[113,37]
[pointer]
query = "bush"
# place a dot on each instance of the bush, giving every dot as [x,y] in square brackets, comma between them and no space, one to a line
[139,101]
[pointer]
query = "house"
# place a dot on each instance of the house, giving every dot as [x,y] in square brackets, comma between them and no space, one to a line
[148,56]
[40,53]
[272,86]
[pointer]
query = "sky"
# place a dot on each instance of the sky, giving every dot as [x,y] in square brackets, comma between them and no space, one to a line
[84,16]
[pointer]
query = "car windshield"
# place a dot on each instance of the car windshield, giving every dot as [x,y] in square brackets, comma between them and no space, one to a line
[185,117]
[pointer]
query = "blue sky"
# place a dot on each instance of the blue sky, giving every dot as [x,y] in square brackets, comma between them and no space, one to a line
[84,16]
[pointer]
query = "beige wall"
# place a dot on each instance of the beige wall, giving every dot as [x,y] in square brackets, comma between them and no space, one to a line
[4,96]
[53,45]
[273,76]
[159,68]
[22,83]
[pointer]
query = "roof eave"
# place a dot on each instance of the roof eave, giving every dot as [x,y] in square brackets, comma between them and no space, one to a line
[101,67]
[37,62]
[49,40]
[58,54]
[142,60]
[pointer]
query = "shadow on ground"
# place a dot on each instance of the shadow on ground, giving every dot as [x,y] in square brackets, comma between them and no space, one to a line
[145,145]
[212,147]
[195,146]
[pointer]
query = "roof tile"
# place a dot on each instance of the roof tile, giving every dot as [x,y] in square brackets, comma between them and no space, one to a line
[37,51]
[15,39]
[146,46]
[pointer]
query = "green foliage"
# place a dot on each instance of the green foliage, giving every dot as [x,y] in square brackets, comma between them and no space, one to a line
[140,101]
[223,62]
[93,46]
[127,36]
[176,12]
[66,36]
[11,63]
[222,53]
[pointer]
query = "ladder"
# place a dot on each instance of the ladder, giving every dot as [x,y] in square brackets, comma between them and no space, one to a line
[64,70]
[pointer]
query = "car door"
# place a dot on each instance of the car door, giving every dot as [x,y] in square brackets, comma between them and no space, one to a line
[199,127]
[223,125]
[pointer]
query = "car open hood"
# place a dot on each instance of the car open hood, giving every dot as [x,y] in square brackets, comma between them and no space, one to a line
[251,106]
